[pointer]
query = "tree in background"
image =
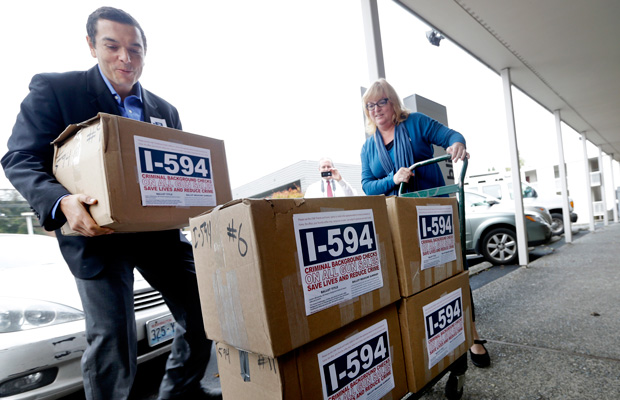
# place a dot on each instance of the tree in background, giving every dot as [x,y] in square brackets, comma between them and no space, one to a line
[12,205]
[291,193]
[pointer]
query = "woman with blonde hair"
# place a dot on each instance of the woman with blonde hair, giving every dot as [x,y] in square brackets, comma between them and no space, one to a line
[399,139]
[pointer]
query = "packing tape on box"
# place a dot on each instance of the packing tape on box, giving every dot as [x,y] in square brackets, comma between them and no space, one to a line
[385,292]
[366,302]
[441,272]
[416,284]
[74,159]
[230,311]
[295,308]
[107,148]
[244,365]
[428,278]
[347,309]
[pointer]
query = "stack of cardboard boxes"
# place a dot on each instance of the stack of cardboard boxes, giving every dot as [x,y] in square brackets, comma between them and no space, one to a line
[340,298]
[300,295]
[435,310]
[304,299]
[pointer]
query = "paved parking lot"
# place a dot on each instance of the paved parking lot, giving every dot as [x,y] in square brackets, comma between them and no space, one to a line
[552,326]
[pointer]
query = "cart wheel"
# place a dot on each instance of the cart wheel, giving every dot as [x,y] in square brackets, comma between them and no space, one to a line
[499,246]
[454,386]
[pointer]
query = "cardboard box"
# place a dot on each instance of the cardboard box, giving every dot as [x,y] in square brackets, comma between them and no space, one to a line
[426,235]
[436,329]
[276,274]
[297,375]
[145,177]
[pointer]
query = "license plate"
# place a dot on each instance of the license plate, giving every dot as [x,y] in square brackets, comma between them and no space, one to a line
[160,330]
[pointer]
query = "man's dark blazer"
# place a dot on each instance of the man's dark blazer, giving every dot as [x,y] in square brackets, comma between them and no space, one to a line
[55,101]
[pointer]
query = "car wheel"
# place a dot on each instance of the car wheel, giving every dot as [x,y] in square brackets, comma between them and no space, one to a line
[557,224]
[499,246]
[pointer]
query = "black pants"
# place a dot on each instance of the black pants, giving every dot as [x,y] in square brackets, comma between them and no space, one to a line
[110,360]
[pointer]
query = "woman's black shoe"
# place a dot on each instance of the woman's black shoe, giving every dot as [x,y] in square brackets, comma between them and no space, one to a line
[480,360]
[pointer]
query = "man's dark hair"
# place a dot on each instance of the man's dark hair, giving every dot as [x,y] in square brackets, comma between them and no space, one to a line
[111,14]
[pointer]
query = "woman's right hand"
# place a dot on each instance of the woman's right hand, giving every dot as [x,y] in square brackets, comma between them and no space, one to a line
[402,175]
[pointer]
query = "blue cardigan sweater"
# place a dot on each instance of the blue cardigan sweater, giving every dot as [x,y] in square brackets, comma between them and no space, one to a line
[423,132]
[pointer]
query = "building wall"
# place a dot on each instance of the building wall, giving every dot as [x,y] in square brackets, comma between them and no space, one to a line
[548,184]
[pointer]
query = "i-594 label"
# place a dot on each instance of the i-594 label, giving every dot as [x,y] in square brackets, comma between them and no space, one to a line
[441,318]
[359,367]
[435,225]
[173,174]
[171,163]
[436,235]
[338,256]
[327,243]
[444,322]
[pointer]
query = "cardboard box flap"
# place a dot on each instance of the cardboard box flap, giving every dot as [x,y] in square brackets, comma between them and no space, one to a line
[221,207]
[73,128]
[232,284]
[87,149]
[246,201]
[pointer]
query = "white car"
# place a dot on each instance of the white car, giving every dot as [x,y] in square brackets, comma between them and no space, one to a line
[42,334]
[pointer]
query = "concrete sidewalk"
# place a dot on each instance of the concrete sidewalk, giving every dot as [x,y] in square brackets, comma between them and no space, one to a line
[553,327]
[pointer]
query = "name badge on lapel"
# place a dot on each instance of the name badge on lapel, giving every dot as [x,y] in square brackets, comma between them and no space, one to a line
[158,121]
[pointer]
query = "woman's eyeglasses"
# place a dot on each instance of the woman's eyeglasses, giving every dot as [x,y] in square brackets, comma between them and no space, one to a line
[380,103]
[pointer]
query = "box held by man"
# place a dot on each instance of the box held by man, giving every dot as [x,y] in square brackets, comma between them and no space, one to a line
[145,177]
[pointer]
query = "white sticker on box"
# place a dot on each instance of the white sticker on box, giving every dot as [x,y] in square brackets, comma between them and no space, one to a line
[173,174]
[436,234]
[444,322]
[359,367]
[338,256]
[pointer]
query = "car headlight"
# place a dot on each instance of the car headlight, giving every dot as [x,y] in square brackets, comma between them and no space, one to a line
[20,314]
[535,218]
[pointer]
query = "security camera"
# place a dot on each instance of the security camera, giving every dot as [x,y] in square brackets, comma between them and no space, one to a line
[434,37]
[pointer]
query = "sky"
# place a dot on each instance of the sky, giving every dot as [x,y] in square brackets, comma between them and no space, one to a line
[279,80]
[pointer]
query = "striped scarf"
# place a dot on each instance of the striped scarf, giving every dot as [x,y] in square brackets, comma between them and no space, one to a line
[403,153]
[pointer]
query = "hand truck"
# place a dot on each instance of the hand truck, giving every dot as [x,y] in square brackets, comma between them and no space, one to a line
[459,366]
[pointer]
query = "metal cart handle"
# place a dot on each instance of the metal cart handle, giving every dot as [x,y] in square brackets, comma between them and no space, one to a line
[438,191]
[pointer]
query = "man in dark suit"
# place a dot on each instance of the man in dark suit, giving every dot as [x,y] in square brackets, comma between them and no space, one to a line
[101,261]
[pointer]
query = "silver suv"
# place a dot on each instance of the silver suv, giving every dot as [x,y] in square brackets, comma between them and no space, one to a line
[491,229]
[502,189]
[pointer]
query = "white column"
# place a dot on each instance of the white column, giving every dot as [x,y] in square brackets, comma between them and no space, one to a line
[603,194]
[586,162]
[372,33]
[516,170]
[613,187]
[29,216]
[568,230]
